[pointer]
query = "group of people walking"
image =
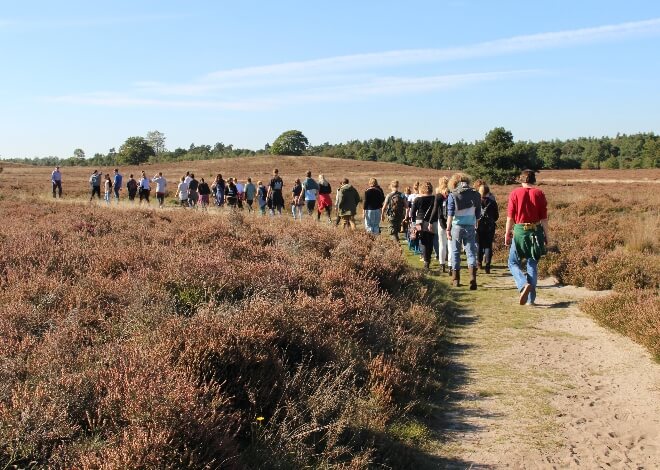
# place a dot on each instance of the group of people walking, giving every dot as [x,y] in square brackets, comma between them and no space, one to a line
[462,217]
[459,216]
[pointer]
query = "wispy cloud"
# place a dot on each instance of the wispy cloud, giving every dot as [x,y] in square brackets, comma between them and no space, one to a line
[354,91]
[350,76]
[312,69]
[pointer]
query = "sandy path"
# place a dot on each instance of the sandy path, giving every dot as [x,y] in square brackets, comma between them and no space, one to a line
[545,387]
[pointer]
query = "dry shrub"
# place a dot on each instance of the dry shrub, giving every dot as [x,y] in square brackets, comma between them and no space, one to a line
[141,338]
[634,313]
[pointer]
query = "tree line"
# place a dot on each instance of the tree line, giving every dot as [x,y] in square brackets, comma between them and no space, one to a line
[497,157]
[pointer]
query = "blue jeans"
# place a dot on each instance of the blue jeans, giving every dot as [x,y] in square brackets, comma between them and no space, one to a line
[372,221]
[516,268]
[463,235]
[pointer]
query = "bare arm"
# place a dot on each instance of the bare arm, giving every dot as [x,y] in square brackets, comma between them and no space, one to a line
[546,231]
[450,219]
[507,231]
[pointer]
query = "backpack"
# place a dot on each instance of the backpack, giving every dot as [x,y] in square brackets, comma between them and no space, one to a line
[277,184]
[396,206]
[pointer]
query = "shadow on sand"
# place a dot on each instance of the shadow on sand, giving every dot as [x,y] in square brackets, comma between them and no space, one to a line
[446,416]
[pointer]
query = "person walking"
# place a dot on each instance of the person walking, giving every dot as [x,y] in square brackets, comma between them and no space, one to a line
[231,193]
[275,193]
[348,199]
[56,181]
[161,188]
[372,207]
[182,192]
[107,188]
[463,211]
[324,198]
[440,215]
[144,188]
[297,200]
[240,193]
[413,243]
[527,226]
[218,189]
[250,193]
[310,191]
[421,213]
[394,209]
[132,188]
[204,193]
[262,197]
[117,181]
[486,228]
[193,186]
[95,184]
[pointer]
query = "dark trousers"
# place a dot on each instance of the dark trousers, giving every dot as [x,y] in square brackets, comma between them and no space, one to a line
[485,244]
[395,228]
[426,240]
[95,190]
[57,185]
[310,207]
[144,195]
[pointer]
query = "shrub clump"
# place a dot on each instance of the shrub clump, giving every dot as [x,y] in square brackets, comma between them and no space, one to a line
[633,313]
[133,339]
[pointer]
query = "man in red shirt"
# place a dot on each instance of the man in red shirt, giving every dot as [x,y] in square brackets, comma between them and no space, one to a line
[527,225]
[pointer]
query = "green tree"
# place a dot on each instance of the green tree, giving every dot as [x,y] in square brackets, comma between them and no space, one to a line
[134,151]
[157,141]
[290,143]
[550,154]
[79,155]
[498,159]
[651,154]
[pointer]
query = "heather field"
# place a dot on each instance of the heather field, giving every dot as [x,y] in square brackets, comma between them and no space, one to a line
[172,339]
[139,337]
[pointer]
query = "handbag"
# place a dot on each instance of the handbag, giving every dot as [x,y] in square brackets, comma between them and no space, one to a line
[424,225]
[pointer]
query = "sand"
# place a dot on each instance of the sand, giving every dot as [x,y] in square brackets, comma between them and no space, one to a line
[545,386]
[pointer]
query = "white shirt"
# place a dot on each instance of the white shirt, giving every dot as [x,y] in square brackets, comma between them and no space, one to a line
[239,188]
[187,180]
[161,183]
[183,191]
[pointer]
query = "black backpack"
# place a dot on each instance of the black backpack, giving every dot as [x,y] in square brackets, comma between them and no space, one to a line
[396,206]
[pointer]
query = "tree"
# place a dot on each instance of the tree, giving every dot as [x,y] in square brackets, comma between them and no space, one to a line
[134,151]
[290,143]
[498,159]
[157,141]
[79,155]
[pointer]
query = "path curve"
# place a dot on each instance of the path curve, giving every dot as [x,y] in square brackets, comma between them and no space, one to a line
[545,386]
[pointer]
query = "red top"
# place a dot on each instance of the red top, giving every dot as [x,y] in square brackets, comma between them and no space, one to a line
[527,205]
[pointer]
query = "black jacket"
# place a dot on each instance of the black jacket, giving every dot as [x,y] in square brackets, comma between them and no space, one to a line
[373,198]
[422,209]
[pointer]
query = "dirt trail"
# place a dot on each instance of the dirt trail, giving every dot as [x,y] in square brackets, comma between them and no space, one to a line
[545,386]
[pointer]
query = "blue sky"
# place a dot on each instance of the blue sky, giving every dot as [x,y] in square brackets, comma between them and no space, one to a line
[81,74]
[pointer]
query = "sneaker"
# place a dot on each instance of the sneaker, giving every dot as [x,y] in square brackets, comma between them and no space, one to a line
[524,293]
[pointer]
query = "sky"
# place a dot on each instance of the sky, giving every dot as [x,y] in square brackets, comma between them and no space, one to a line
[81,74]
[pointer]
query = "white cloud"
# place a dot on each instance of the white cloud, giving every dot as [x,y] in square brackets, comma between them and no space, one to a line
[360,90]
[350,76]
[310,70]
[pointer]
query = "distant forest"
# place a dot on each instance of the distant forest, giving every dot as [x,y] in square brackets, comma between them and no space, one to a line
[496,152]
